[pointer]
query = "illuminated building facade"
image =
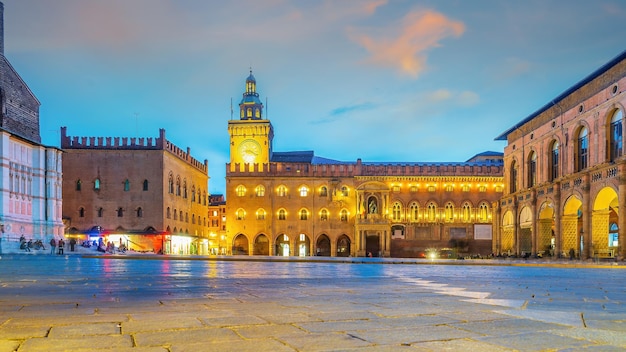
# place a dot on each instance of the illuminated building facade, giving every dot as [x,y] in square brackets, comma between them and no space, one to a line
[299,204]
[217,224]
[31,202]
[566,174]
[145,193]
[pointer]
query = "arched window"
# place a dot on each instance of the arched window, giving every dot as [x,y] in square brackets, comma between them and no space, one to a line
[180,216]
[139,212]
[483,212]
[260,191]
[145,185]
[466,212]
[343,215]
[304,191]
[126,185]
[79,185]
[81,212]
[96,184]
[324,215]
[345,191]
[414,211]
[513,177]
[100,212]
[249,112]
[257,113]
[449,212]
[178,186]
[532,169]
[120,212]
[616,135]
[186,217]
[554,161]
[260,214]
[396,211]
[193,193]
[240,190]
[168,213]
[282,214]
[323,191]
[185,189]
[583,149]
[193,218]
[281,191]
[175,214]
[240,214]
[431,212]
[304,214]
[170,182]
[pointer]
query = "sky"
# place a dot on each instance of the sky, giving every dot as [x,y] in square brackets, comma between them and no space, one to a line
[379,80]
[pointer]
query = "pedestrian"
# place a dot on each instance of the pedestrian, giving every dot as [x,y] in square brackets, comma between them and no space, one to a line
[72,244]
[53,245]
[61,244]
[572,253]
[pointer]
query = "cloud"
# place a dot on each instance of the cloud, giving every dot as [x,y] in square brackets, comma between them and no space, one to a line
[350,108]
[404,47]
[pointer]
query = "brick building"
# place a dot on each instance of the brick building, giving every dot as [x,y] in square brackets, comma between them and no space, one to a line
[299,204]
[565,172]
[145,193]
[30,203]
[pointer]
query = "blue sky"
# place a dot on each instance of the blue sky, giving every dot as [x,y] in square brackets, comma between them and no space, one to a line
[372,79]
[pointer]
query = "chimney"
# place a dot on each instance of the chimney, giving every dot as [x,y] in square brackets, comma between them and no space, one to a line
[1,28]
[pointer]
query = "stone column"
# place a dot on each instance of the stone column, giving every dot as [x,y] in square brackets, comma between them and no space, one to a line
[558,209]
[621,212]
[586,217]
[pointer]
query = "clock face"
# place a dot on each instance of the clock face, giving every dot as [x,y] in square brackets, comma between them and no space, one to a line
[249,150]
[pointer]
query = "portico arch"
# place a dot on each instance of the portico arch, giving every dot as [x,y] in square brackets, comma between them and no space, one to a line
[525,230]
[546,238]
[261,245]
[507,244]
[322,246]
[604,217]
[571,224]
[240,245]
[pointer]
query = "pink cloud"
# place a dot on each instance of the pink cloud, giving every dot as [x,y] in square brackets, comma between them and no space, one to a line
[405,47]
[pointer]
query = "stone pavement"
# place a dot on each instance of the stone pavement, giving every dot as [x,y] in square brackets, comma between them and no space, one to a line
[165,303]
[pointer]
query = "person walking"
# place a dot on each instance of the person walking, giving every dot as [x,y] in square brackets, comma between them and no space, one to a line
[72,244]
[53,245]
[61,245]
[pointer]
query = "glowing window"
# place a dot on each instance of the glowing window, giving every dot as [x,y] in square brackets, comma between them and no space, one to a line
[281,191]
[583,149]
[449,212]
[260,214]
[466,212]
[304,214]
[396,211]
[260,191]
[616,135]
[323,191]
[282,214]
[431,212]
[324,215]
[414,211]
[240,214]
[395,188]
[304,191]
[449,188]
[343,216]
[240,191]
[483,212]
[344,191]
[413,189]
[96,184]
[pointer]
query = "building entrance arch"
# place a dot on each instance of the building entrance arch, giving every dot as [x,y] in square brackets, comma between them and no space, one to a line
[282,246]
[525,231]
[343,246]
[302,246]
[240,245]
[261,245]
[372,244]
[322,247]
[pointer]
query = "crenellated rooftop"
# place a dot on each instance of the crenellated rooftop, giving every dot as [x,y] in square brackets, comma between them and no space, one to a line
[131,143]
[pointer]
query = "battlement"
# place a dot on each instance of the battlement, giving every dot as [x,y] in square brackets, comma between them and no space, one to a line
[361,169]
[131,143]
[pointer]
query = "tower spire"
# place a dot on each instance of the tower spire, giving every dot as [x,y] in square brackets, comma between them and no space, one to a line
[250,107]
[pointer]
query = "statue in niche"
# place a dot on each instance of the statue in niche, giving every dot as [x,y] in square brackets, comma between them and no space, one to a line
[372,206]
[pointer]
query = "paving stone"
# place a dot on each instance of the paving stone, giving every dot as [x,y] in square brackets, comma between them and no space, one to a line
[460,345]
[324,342]
[269,330]
[411,336]
[167,337]
[252,345]
[68,344]
[535,341]
[9,345]
[82,330]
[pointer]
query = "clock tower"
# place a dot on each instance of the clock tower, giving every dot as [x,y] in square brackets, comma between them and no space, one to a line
[250,136]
